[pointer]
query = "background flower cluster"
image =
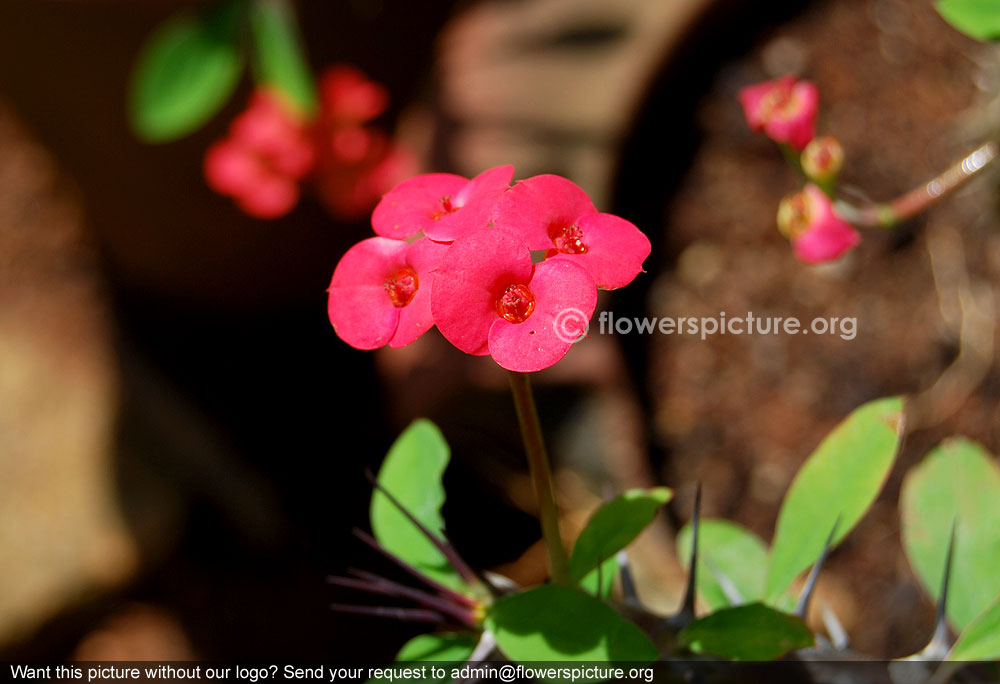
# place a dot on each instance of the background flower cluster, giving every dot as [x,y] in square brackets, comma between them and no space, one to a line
[494,267]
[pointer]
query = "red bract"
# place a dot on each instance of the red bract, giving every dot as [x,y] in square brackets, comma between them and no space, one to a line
[381,292]
[488,298]
[261,162]
[347,96]
[554,214]
[442,205]
[817,233]
[785,109]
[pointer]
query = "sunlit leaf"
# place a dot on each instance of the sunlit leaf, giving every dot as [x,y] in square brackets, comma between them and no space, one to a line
[186,71]
[958,481]
[979,19]
[836,484]
[749,632]
[449,647]
[551,623]
[412,473]
[279,55]
[730,550]
[613,526]
[981,639]
[601,580]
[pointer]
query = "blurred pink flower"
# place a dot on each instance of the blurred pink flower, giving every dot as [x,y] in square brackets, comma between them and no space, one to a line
[381,292]
[488,298]
[348,96]
[268,151]
[442,205]
[785,109]
[818,234]
[554,214]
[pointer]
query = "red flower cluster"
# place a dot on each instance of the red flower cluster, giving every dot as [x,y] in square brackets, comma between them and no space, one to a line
[272,148]
[494,267]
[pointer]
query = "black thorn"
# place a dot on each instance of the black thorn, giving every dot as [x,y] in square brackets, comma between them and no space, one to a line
[802,605]
[375,584]
[629,592]
[403,614]
[446,549]
[686,614]
[940,641]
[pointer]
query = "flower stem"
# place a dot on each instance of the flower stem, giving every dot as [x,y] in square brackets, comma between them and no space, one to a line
[541,475]
[888,214]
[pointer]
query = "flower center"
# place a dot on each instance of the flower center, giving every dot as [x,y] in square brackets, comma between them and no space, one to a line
[795,215]
[568,239]
[516,303]
[446,208]
[777,102]
[401,286]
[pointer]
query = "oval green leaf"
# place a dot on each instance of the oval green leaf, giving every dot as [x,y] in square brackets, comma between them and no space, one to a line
[749,632]
[186,71]
[957,481]
[279,56]
[729,550]
[551,623]
[979,19]
[412,473]
[601,580]
[613,526]
[981,639]
[838,482]
[450,647]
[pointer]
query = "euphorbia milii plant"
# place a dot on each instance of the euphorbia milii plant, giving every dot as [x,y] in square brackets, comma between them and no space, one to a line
[497,269]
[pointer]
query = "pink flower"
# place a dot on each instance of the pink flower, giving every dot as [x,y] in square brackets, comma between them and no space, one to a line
[268,151]
[808,219]
[442,205]
[554,214]
[785,109]
[348,96]
[381,292]
[488,298]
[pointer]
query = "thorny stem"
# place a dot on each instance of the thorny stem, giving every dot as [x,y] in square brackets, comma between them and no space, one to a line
[541,476]
[888,214]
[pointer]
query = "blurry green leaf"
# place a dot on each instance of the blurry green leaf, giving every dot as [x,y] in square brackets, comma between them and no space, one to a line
[412,473]
[981,639]
[551,623]
[979,19]
[613,526]
[437,647]
[601,580]
[840,480]
[186,71]
[279,56]
[957,481]
[749,632]
[730,549]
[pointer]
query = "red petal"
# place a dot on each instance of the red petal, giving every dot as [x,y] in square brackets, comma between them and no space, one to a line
[423,256]
[565,298]
[469,280]
[475,204]
[359,308]
[616,249]
[411,206]
[534,206]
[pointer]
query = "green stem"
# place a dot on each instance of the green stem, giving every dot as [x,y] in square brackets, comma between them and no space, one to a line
[904,207]
[541,475]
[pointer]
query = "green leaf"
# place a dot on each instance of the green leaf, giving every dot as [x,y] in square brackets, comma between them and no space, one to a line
[185,72]
[601,580]
[981,639]
[613,526]
[749,632]
[731,550]
[412,473]
[551,623]
[279,56]
[979,19]
[957,481]
[452,647]
[839,481]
